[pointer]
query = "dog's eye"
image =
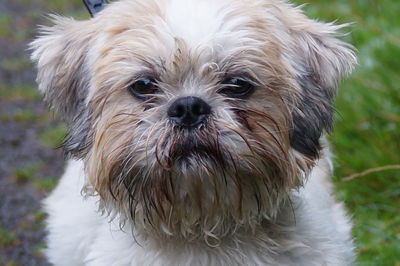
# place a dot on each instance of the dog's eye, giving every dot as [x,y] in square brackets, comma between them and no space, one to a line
[236,88]
[143,88]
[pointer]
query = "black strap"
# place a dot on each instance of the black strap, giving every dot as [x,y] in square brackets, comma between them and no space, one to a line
[94,6]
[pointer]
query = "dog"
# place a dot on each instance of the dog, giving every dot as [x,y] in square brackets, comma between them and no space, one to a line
[196,135]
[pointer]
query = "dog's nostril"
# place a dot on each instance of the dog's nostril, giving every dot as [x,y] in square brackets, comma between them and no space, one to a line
[177,112]
[181,110]
[197,109]
[189,111]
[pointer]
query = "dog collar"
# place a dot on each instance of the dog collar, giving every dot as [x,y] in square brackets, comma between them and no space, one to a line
[95,6]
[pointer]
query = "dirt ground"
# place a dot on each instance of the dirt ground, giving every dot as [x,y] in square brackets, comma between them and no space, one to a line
[30,163]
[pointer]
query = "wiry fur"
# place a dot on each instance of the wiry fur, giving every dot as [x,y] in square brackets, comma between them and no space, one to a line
[228,192]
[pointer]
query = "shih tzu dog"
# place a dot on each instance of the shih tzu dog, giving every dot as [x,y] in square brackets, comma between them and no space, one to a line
[196,135]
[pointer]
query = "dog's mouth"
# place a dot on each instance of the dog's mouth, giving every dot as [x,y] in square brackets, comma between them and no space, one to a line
[187,150]
[179,148]
[196,149]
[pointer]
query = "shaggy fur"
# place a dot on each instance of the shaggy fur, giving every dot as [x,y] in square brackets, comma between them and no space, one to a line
[250,186]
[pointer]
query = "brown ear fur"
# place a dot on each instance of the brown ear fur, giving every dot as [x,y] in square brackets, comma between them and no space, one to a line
[317,61]
[60,53]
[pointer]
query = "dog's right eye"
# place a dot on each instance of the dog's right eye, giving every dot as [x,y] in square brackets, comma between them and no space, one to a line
[236,88]
[143,89]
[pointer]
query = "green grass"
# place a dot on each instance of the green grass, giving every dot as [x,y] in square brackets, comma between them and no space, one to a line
[19,93]
[27,173]
[45,184]
[25,115]
[15,64]
[367,132]
[53,136]
[11,263]
[5,21]
[7,238]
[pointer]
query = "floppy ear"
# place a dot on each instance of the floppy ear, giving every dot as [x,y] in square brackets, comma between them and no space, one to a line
[60,53]
[318,61]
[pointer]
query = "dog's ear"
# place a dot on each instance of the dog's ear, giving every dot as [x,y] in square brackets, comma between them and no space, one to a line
[317,61]
[60,53]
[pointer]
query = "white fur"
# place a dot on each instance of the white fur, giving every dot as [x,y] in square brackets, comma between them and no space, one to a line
[313,230]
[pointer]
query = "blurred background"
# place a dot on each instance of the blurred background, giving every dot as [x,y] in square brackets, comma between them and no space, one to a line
[367,131]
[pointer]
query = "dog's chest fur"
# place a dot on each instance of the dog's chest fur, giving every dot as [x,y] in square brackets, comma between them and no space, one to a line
[312,230]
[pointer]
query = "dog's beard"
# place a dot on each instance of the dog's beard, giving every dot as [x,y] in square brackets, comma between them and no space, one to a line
[200,183]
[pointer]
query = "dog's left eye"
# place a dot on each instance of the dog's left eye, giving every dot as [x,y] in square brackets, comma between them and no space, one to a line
[236,88]
[143,88]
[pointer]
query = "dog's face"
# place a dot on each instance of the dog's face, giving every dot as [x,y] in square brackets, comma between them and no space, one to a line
[193,117]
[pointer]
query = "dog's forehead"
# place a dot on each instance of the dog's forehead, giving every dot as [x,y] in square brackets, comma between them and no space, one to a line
[182,42]
[198,25]
[205,22]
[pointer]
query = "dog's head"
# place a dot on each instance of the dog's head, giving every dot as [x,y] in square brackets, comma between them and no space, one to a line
[193,117]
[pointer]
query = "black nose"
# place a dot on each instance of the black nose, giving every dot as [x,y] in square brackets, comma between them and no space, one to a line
[189,111]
